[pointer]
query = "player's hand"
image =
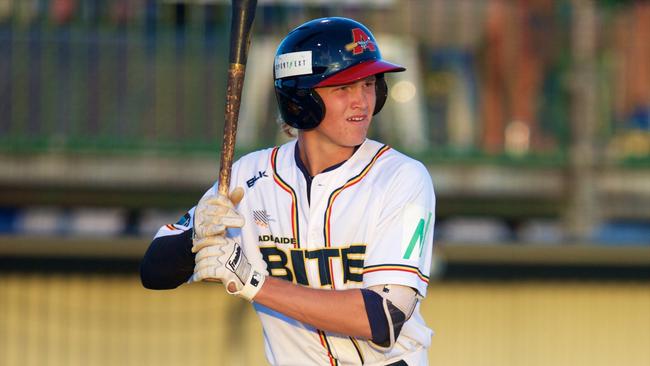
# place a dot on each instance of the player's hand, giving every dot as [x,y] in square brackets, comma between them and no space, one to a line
[227,263]
[214,214]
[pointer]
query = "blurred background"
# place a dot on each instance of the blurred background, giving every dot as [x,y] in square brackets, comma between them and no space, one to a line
[533,118]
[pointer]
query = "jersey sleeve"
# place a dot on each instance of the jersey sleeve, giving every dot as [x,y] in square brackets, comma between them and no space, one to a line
[401,249]
[169,261]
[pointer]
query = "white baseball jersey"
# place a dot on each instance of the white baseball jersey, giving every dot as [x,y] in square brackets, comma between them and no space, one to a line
[367,222]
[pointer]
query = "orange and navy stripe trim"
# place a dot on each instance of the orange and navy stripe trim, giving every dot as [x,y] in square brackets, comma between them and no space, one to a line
[397,267]
[171,227]
[295,227]
[352,181]
[356,347]
[330,202]
[325,343]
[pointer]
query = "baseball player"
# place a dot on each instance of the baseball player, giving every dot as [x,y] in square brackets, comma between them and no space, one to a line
[329,235]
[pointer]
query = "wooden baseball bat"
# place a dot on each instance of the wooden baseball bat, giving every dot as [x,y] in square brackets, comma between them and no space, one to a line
[243,13]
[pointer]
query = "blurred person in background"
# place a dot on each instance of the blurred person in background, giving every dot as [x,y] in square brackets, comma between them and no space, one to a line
[518,50]
[631,77]
[331,237]
[633,43]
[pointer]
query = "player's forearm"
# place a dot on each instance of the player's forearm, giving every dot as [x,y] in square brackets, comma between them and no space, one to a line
[339,311]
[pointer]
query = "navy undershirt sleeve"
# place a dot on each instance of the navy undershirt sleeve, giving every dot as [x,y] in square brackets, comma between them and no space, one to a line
[376,317]
[168,263]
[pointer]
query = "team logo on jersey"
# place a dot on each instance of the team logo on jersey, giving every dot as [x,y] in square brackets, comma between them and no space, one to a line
[276,239]
[262,218]
[251,182]
[291,263]
[360,42]
[417,222]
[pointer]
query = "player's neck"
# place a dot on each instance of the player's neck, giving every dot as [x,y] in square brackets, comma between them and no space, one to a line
[318,157]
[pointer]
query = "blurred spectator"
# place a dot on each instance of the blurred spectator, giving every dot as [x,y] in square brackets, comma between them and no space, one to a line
[63,10]
[123,12]
[519,47]
[631,48]
[28,11]
[6,8]
[633,74]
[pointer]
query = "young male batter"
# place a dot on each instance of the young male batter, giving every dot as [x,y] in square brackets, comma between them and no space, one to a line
[331,236]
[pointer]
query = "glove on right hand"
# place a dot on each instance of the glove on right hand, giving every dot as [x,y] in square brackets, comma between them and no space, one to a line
[226,263]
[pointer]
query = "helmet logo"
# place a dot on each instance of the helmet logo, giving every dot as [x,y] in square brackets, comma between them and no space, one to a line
[360,42]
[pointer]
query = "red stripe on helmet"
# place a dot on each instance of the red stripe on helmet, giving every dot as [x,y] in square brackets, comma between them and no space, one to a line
[360,71]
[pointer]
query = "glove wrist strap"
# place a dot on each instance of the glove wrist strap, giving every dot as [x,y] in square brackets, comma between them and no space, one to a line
[252,286]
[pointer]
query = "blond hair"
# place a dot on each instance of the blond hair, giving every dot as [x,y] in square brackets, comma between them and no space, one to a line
[286,129]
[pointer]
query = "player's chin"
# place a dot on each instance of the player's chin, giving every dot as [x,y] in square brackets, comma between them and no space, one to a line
[355,139]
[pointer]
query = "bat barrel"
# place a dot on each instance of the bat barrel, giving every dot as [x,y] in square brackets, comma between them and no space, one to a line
[243,13]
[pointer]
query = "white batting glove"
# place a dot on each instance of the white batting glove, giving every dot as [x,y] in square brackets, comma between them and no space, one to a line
[214,214]
[225,262]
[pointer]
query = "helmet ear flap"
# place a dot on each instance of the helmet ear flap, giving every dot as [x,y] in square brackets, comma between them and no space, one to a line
[381,92]
[319,108]
[299,108]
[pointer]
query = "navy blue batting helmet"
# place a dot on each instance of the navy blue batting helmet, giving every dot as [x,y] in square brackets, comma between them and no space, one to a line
[325,52]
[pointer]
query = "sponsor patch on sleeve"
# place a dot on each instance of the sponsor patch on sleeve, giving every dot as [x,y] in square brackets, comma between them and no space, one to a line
[416,222]
[185,220]
[292,64]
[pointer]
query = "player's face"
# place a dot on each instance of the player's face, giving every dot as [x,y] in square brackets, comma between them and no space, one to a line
[348,112]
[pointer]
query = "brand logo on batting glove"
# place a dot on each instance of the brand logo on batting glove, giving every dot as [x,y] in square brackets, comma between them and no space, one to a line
[233,261]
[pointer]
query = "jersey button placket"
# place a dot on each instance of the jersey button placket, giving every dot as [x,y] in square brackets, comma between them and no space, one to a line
[315,212]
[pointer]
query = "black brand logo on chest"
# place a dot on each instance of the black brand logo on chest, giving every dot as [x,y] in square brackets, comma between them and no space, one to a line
[260,174]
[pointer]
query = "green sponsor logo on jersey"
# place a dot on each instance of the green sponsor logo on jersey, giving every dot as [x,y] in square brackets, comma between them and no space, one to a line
[418,237]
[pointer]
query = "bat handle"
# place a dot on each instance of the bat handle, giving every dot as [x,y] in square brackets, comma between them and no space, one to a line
[236,74]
